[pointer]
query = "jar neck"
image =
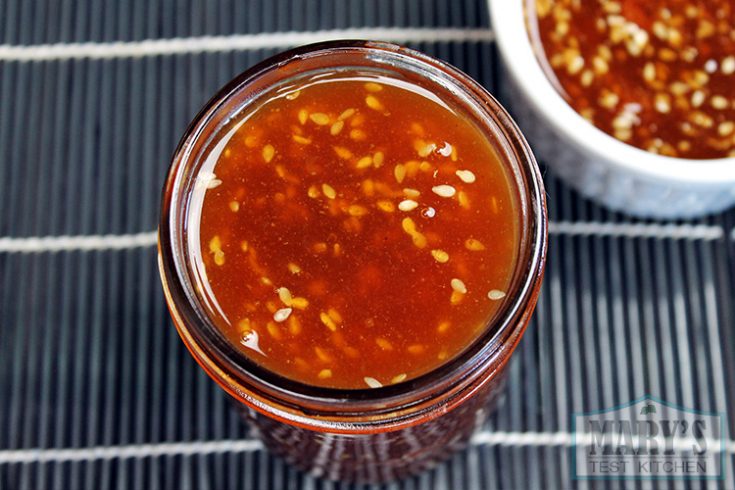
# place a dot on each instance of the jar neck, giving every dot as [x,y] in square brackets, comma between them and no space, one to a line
[353,411]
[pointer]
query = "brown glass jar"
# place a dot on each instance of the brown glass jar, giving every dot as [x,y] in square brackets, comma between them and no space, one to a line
[361,435]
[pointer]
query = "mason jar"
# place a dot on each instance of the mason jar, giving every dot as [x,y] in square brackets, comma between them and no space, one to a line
[358,435]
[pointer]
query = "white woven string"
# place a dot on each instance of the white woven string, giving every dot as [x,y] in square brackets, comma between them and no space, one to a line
[234,42]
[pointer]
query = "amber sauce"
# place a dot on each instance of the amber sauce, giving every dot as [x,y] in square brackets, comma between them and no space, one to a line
[354,232]
[657,74]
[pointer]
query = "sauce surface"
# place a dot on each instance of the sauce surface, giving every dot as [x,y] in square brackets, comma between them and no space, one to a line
[657,74]
[352,232]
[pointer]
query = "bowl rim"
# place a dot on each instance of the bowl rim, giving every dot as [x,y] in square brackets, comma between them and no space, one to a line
[514,44]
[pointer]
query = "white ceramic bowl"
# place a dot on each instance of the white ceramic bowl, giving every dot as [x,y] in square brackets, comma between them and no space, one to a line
[607,170]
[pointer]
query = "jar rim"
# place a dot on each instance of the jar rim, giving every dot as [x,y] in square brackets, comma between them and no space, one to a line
[351,410]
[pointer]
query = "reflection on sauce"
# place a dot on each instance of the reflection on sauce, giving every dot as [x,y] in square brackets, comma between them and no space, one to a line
[353,232]
[657,74]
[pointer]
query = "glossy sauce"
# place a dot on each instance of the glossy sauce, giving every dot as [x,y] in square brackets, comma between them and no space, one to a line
[353,232]
[657,74]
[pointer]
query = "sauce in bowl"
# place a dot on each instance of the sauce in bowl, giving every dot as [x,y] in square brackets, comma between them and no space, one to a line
[659,74]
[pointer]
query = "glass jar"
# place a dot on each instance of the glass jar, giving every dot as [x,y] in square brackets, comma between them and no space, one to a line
[362,435]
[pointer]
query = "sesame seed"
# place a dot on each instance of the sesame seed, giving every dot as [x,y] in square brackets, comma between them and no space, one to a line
[719,102]
[384,344]
[372,382]
[600,65]
[334,315]
[245,325]
[294,268]
[408,225]
[697,98]
[495,294]
[608,99]
[293,95]
[358,134]
[346,114]
[443,327]
[302,140]
[662,102]
[208,180]
[312,192]
[351,352]
[407,205]
[444,190]
[466,176]
[372,102]
[274,331]
[440,256]
[424,148]
[215,244]
[649,72]
[728,65]
[319,118]
[701,119]
[419,240]
[244,246]
[726,128]
[378,159]
[456,297]
[329,191]
[575,65]
[373,87]
[234,206]
[368,187]
[282,314]
[398,378]
[399,172]
[416,349]
[701,78]
[327,321]
[357,210]
[623,134]
[342,152]
[679,88]
[458,285]
[336,128]
[474,245]
[386,206]
[322,354]
[587,78]
[365,162]
[299,303]
[411,193]
[303,116]
[284,295]
[325,374]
